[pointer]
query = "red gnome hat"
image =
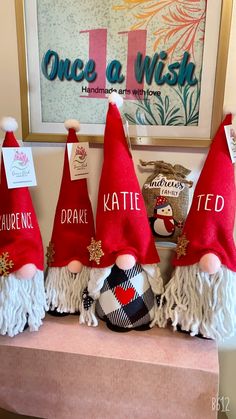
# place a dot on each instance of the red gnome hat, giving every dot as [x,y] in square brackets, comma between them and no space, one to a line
[73,222]
[20,238]
[122,226]
[209,225]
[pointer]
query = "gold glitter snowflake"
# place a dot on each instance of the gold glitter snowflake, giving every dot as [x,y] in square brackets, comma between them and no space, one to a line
[5,264]
[95,250]
[182,244]
[50,253]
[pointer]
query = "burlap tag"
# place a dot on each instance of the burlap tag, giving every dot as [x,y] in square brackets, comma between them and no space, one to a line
[166,195]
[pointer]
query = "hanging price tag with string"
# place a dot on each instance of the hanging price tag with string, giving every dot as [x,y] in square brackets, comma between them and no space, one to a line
[19,167]
[230,133]
[126,126]
[78,156]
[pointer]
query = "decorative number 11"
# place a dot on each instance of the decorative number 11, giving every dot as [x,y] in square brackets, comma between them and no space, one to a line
[98,53]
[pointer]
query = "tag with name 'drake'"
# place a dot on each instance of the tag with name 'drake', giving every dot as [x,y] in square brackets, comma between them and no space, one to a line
[78,156]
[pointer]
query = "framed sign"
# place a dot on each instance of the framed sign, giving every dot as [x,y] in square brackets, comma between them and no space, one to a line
[166,58]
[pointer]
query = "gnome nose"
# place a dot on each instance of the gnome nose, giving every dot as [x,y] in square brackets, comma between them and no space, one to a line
[75,266]
[210,263]
[26,271]
[125,262]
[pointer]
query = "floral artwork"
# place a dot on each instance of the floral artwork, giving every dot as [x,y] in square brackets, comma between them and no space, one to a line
[150,52]
[183,22]
[162,113]
[181,29]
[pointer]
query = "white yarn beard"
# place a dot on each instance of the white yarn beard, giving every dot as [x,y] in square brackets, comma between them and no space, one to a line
[21,301]
[201,303]
[64,289]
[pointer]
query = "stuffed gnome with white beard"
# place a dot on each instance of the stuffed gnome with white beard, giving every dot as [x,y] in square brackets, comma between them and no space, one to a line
[67,254]
[125,279]
[22,294]
[201,296]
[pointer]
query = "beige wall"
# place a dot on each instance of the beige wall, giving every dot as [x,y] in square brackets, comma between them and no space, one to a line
[9,78]
[48,160]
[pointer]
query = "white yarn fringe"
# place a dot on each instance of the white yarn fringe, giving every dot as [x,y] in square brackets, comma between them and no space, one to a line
[21,301]
[201,303]
[97,279]
[95,284]
[64,289]
[88,317]
[154,277]
[156,282]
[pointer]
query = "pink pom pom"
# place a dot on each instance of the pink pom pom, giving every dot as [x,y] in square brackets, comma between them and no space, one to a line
[26,271]
[125,262]
[75,266]
[210,263]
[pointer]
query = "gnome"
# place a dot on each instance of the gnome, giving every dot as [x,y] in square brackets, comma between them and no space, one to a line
[22,294]
[67,253]
[201,296]
[125,280]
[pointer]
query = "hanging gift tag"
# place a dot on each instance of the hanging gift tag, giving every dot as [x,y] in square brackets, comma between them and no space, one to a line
[127,133]
[78,156]
[230,133]
[19,167]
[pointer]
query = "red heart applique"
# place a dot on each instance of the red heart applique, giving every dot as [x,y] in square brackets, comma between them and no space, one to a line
[124,296]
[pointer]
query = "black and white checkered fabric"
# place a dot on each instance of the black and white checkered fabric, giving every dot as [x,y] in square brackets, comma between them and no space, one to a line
[126,298]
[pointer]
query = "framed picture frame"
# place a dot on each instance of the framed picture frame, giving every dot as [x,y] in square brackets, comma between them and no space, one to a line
[167,59]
